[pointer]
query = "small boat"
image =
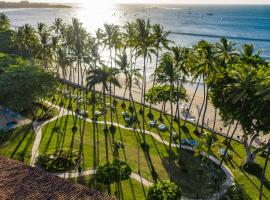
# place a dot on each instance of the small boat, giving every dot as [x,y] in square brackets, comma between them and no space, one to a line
[209,14]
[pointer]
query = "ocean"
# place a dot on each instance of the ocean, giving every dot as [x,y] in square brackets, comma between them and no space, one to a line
[188,23]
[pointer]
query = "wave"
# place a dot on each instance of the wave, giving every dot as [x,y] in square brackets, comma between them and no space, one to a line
[219,36]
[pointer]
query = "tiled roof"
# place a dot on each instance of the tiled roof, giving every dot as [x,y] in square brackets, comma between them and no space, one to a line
[21,182]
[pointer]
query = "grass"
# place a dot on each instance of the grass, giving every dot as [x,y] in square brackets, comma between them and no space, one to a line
[131,189]
[153,165]
[81,140]
[18,144]
[247,181]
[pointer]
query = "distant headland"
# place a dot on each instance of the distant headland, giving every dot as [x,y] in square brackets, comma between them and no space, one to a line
[27,4]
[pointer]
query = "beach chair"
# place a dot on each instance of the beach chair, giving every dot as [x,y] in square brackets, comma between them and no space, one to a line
[162,127]
[221,152]
[192,143]
[152,123]
[83,113]
[97,113]
[125,114]
[184,141]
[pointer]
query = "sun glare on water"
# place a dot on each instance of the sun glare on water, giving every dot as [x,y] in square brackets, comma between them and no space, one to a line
[93,14]
[98,4]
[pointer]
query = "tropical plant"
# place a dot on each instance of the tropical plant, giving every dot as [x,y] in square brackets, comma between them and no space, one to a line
[113,172]
[164,190]
[4,22]
[104,76]
[161,40]
[145,47]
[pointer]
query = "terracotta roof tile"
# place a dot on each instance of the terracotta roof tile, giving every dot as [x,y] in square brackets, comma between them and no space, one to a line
[18,181]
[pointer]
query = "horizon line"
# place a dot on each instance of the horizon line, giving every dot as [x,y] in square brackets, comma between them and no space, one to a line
[140,3]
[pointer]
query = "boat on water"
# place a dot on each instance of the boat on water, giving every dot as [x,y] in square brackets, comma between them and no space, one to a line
[209,14]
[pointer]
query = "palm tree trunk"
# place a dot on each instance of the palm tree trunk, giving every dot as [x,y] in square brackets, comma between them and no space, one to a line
[178,115]
[143,93]
[105,125]
[171,129]
[111,114]
[200,112]
[215,118]
[229,144]
[193,97]
[154,80]
[205,109]
[263,172]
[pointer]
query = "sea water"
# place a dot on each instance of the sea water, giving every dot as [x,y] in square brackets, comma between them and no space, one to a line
[188,23]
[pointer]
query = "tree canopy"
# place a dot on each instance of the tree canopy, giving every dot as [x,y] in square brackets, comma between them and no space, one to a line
[22,84]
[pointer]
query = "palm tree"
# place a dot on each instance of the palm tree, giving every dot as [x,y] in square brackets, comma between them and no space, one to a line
[226,51]
[110,40]
[57,25]
[117,44]
[30,41]
[129,38]
[4,22]
[104,76]
[249,56]
[168,73]
[242,85]
[62,61]
[45,45]
[226,54]
[205,67]
[161,40]
[132,75]
[180,57]
[17,40]
[145,45]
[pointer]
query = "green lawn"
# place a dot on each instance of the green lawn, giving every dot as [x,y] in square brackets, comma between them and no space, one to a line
[249,182]
[131,189]
[152,165]
[18,144]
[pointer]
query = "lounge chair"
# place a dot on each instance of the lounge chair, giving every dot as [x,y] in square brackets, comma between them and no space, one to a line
[97,113]
[184,141]
[192,143]
[162,127]
[125,114]
[83,113]
[152,123]
[221,152]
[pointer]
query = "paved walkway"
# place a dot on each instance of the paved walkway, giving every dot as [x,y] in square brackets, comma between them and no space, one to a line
[63,112]
[134,176]
[37,127]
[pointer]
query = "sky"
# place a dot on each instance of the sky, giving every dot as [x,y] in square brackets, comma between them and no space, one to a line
[158,1]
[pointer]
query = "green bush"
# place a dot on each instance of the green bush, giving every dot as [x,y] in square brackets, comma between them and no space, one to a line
[164,190]
[58,161]
[114,171]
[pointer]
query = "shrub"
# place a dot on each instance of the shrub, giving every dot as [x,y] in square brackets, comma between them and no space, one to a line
[164,190]
[114,171]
